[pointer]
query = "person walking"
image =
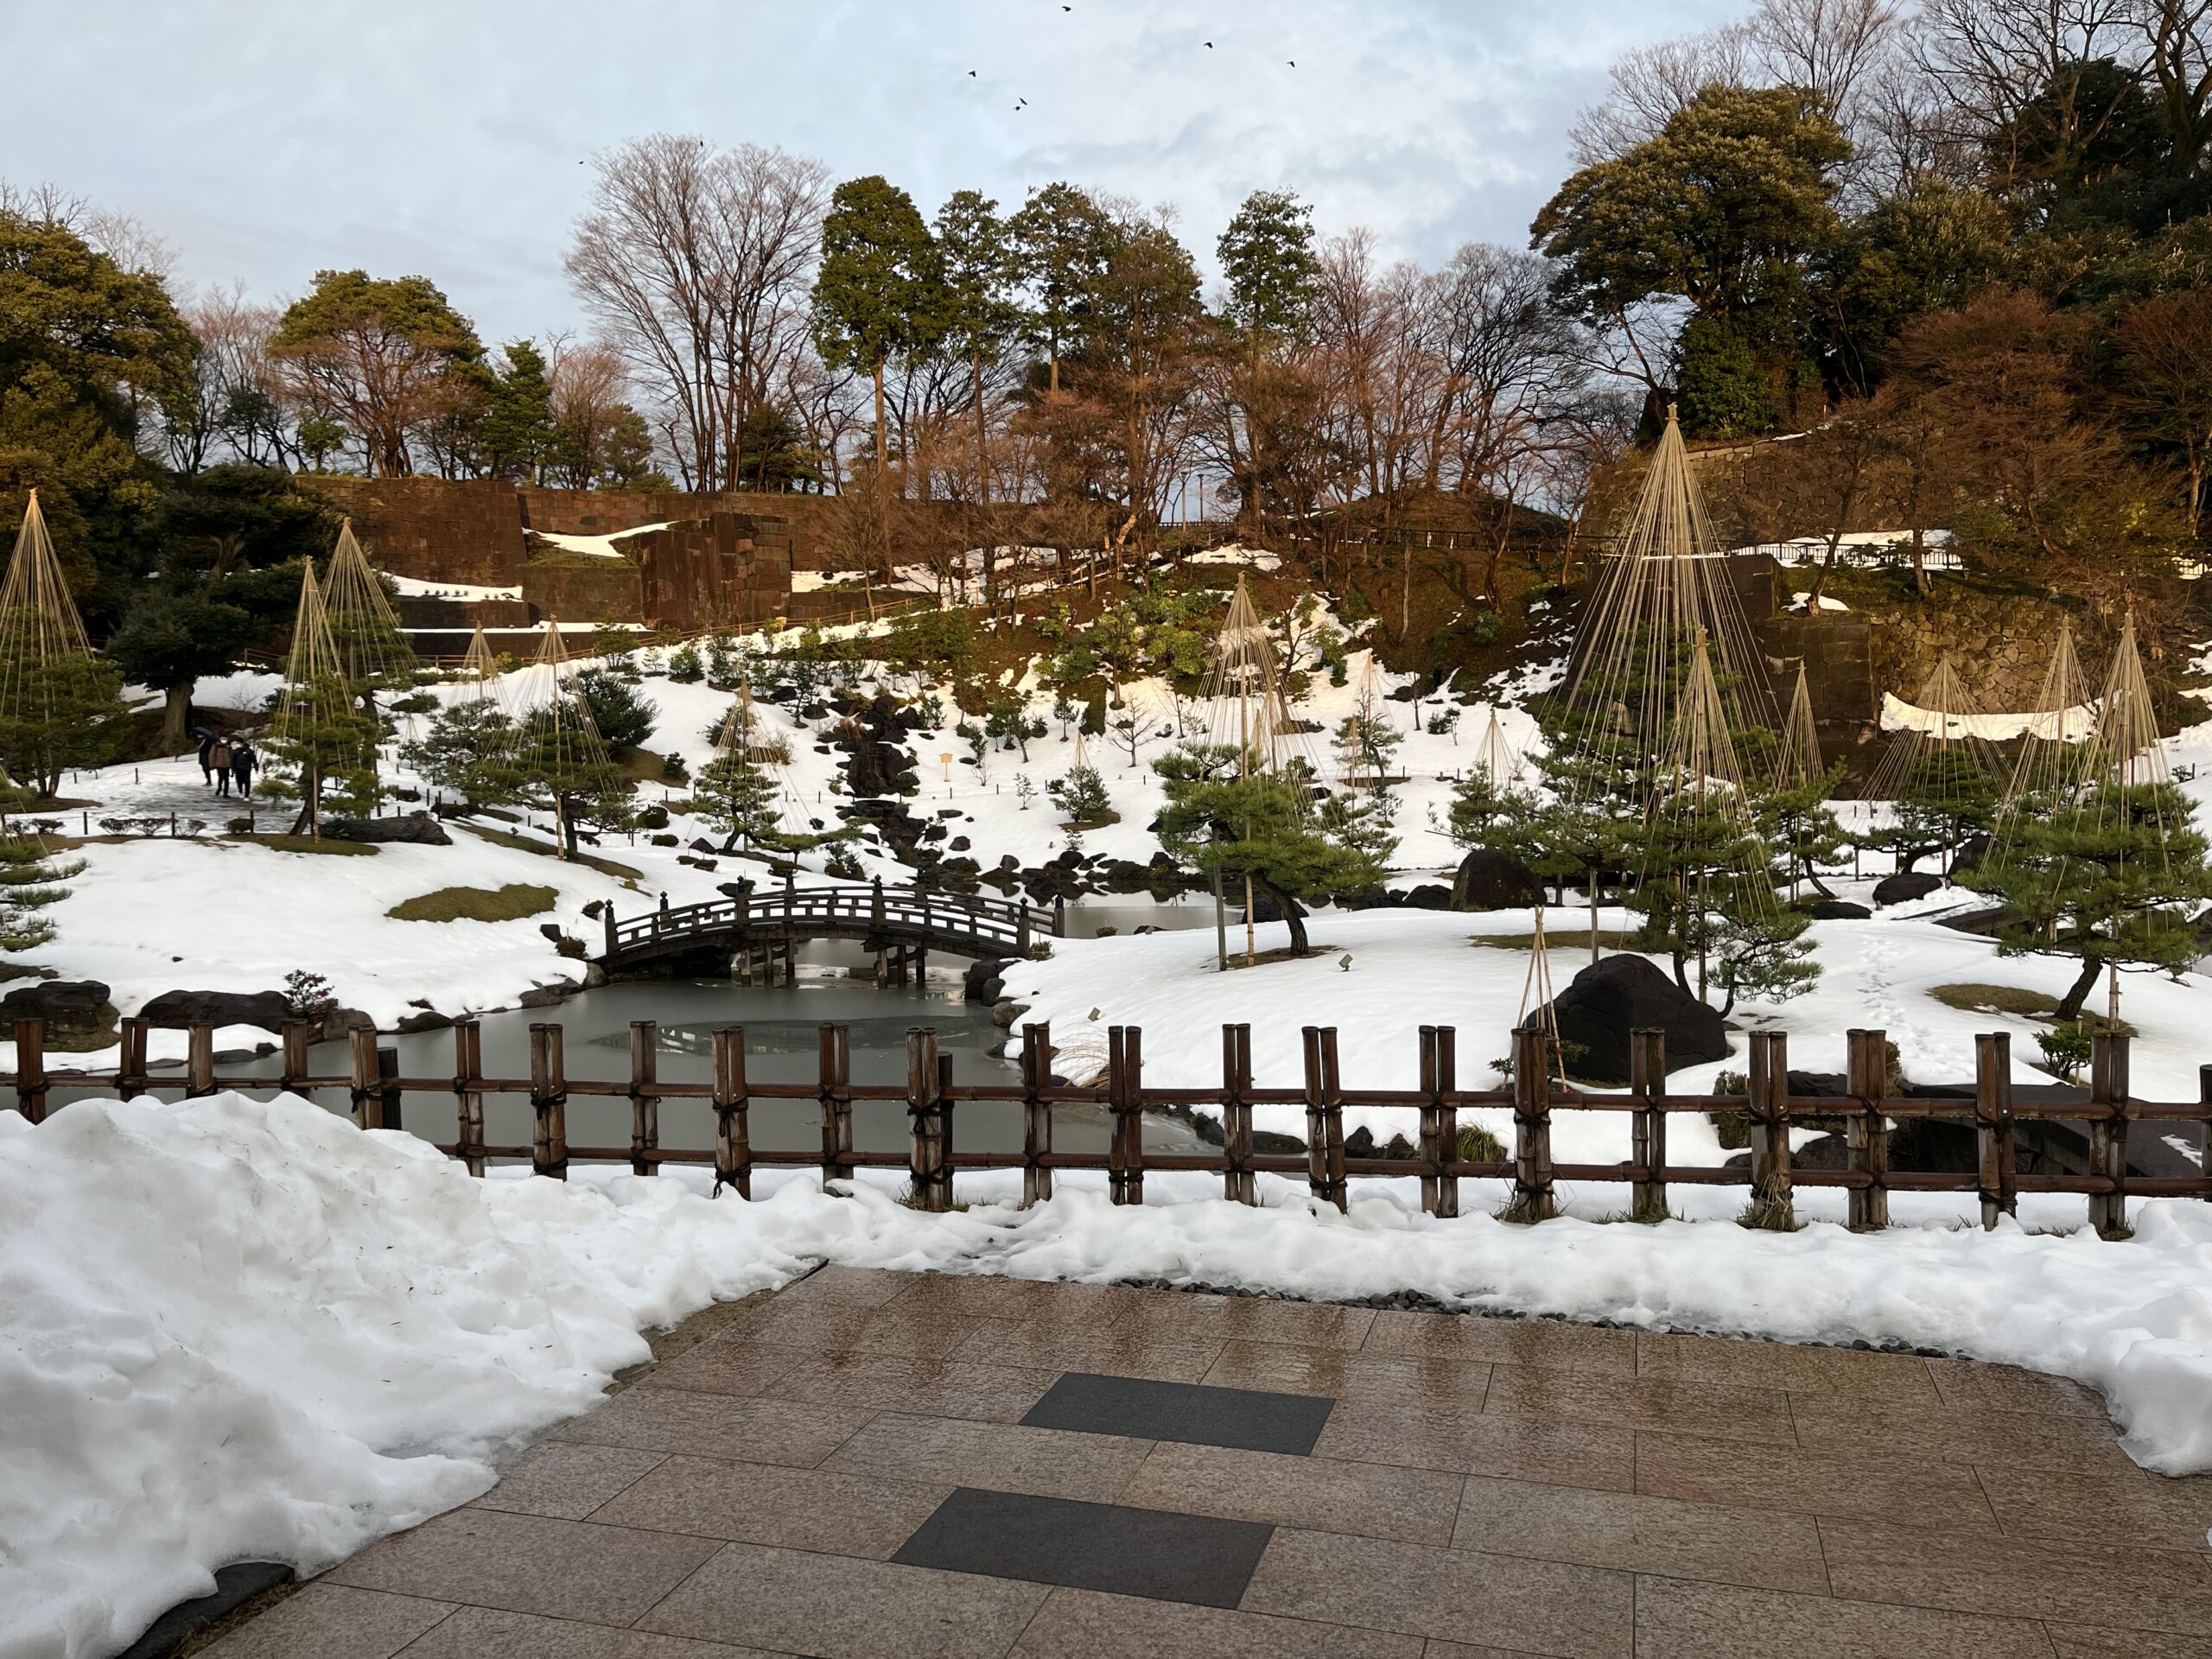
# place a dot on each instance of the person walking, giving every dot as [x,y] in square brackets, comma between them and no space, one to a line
[218,759]
[206,765]
[244,761]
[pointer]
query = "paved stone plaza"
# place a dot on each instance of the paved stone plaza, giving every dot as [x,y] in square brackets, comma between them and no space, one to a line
[876,1464]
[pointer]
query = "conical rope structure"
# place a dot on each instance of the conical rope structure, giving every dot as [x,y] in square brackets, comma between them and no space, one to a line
[2049,767]
[363,625]
[742,740]
[1940,771]
[1797,757]
[481,668]
[321,732]
[562,751]
[1246,709]
[1497,761]
[1360,769]
[55,695]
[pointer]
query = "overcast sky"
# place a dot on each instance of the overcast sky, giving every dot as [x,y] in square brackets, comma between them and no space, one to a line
[265,141]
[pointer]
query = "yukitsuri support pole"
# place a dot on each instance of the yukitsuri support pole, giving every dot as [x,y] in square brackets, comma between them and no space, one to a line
[1532,1128]
[1324,1117]
[926,1141]
[30,1069]
[130,1079]
[732,1131]
[361,1050]
[835,1072]
[296,1036]
[1440,1124]
[2108,1133]
[1996,1156]
[200,1064]
[549,1101]
[468,1092]
[1647,1081]
[644,1096]
[1125,1100]
[1866,1134]
[1239,1183]
[1036,1113]
[1772,1206]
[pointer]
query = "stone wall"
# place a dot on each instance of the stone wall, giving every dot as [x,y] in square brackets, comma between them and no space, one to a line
[431,530]
[578,588]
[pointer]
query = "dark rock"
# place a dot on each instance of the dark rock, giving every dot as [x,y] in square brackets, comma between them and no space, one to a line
[1836,910]
[983,981]
[546,997]
[1360,1143]
[961,843]
[173,1010]
[702,845]
[1007,1012]
[418,827]
[552,930]
[1428,896]
[1904,886]
[1492,881]
[1608,999]
[430,1021]
[1264,908]
[1984,921]
[1970,853]
[1361,899]
[1269,1140]
[66,1005]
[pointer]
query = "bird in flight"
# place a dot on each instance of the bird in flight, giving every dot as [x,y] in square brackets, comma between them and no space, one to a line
[1209,45]
[1293,63]
[971,74]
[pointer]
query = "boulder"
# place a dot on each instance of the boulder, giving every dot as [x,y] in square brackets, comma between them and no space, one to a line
[1492,881]
[983,982]
[426,1020]
[66,1005]
[1836,910]
[547,996]
[419,827]
[175,1010]
[1608,999]
[1904,886]
[1429,895]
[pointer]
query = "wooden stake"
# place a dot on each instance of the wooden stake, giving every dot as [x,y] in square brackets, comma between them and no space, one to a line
[1647,1064]
[1439,1122]
[1239,1183]
[549,1101]
[733,1136]
[468,1092]
[1996,1157]
[645,1100]
[1866,1132]
[2108,1130]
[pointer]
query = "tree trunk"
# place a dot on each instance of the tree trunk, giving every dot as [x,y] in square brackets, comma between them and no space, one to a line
[882,450]
[2069,1005]
[176,716]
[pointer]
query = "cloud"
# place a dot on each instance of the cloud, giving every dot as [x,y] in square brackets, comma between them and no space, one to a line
[265,141]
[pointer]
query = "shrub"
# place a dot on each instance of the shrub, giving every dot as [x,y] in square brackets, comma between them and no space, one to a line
[684,667]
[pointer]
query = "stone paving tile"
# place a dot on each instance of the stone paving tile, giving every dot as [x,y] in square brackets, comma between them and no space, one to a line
[826,1327]
[565,1480]
[1718,1410]
[723,1364]
[1873,1488]
[2138,1507]
[1677,1618]
[1804,1368]
[329,1621]
[835,1607]
[1373,1500]
[760,1503]
[977,1297]
[1108,1351]
[716,1426]
[1459,1651]
[1084,1623]
[848,1287]
[1514,1448]
[481,1633]
[931,1387]
[1551,1345]
[1761,1547]
[994,1456]
[1495,1600]
[1958,1434]
[2007,1388]
[529,1564]
[1180,1316]
[1979,1573]
[2078,1642]
[1375,1379]
[1245,1418]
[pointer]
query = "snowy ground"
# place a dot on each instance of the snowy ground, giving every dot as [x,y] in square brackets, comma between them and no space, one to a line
[343,1330]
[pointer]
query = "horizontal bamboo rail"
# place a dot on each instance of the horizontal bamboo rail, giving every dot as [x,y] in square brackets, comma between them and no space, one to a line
[931,1096]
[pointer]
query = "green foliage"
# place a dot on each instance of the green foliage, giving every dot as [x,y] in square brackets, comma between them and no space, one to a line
[307,995]
[742,798]
[379,354]
[2066,1049]
[68,712]
[1268,259]
[1082,797]
[323,753]
[510,903]
[564,770]
[1365,742]
[937,643]
[623,717]
[880,291]
[519,435]
[31,884]
[470,750]
[1062,241]
[1707,897]
[980,268]
[1722,390]
[1946,798]
[684,665]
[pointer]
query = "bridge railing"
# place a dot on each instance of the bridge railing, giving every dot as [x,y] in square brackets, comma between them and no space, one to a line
[1442,1157]
[964,916]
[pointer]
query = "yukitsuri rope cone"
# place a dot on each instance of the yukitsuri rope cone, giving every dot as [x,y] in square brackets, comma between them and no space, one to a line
[1246,709]
[557,736]
[1951,771]
[1495,758]
[1797,757]
[52,685]
[320,731]
[2049,767]
[742,751]
[481,668]
[363,625]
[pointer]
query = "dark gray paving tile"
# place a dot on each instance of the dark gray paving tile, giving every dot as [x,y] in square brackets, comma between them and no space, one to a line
[1242,1418]
[1083,1624]
[329,1621]
[1676,1619]
[483,1633]
[762,1503]
[566,1480]
[1201,1559]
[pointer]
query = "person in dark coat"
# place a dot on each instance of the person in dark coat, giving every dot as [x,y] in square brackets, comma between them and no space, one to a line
[244,761]
[218,759]
[206,765]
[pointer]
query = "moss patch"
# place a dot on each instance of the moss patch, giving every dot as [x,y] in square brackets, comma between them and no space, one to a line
[508,904]
[1556,938]
[525,844]
[1971,998]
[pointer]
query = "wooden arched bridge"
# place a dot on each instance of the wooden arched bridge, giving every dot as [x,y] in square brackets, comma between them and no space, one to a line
[901,924]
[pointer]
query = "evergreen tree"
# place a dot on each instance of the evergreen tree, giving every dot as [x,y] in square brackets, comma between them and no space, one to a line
[322,751]
[623,719]
[1062,241]
[30,883]
[880,292]
[1947,797]
[976,249]
[742,798]
[1268,259]
[1708,897]
[518,434]
[1081,796]
[470,749]
[1799,823]
[77,719]
[564,769]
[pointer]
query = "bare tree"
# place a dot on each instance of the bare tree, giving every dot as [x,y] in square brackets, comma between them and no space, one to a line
[236,406]
[1990,59]
[1650,83]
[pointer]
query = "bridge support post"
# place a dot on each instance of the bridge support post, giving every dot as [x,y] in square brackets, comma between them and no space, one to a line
[1439,1122]
[921,964]
[645,1099]
[1239,1183]
[1021,931]
[733,1136]
[1125,1100]
[1036,1113]
[927,1143]
[548,1102]
[607,920]
[836,1075]
[1995,1146]
[468,1092]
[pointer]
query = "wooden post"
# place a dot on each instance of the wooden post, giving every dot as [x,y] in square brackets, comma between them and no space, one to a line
[1439,1122]
[944,1129]
[1773,1204]
[1532,1128]
[1021,931]
[468,1092]
[1996,1153]
[2204,1129]
[361,1050]
[1036,1113]
[733,1130]
[1867,1132]
[607,918]
[389,1113]
[1324,1117]
[1239,1183]
[921,1116]
[548,1100]
[200,1062]
[1124,1099]
[296,1036]
[1647,1069]
[130,1079]
[836,1072]
[645,1099]
[2109,1132]
[30,1069]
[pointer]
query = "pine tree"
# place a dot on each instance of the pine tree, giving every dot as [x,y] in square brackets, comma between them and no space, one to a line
[30,880]
[1081,796]
[740,788]
[880,290]
[470,749]
[324,739]
[561,759]
[60,705]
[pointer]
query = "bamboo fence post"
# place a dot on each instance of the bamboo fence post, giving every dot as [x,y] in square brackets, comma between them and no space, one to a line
[1124,1099]
[1773,1204]
[200,1064]
[468,1092]
[1439,1122]
[1036,1113]
[549,1101]
[296,1036]
[1996,1153]
[2108,1131]
[1239,1183]
[645,1098]
[1324,1117]
[1866,1134]
[361,1074]
[1647,1069]
[733,1129]
[836,1072]
[30,1069]
[1533,1199]
[924,1146]
[130,1079]
[944,1130]
[390,1112]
